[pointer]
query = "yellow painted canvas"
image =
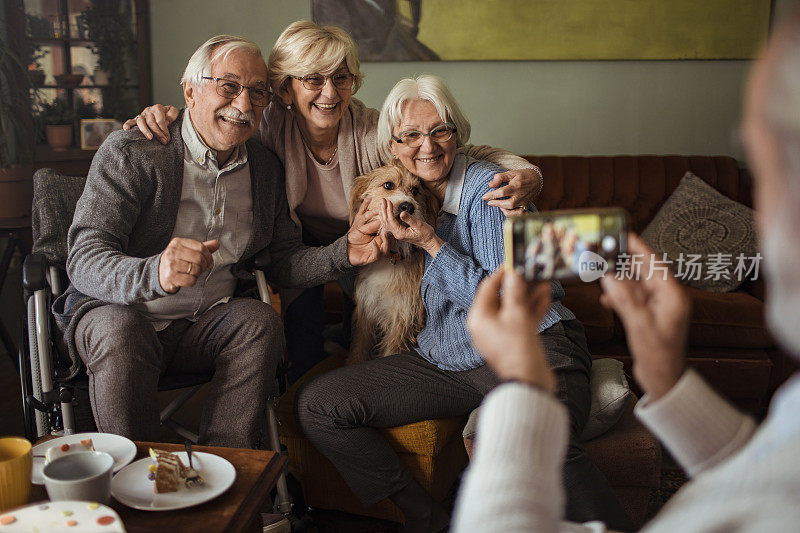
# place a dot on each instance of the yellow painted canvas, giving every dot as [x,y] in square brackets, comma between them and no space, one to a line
[468,30]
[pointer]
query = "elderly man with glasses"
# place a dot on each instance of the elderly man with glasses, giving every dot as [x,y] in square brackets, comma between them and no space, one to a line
[157,251]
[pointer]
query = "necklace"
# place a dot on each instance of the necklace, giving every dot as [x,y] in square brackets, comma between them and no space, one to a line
[332,156]
[308,147]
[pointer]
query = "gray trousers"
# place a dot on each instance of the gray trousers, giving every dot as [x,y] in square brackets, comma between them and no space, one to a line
[339,412]
[241,342]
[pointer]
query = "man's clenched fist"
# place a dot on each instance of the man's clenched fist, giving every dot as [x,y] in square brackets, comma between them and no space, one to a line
[183,260]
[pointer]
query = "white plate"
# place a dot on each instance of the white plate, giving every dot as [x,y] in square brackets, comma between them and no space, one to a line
[121,449]
[132,488]
[51,517]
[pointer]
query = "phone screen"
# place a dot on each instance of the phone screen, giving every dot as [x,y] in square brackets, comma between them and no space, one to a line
[580,243]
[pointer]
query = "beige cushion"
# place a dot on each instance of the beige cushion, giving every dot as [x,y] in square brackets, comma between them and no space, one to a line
[696,219]
[610,397]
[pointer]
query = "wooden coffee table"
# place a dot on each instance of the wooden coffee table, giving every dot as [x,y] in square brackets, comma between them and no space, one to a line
[238,509]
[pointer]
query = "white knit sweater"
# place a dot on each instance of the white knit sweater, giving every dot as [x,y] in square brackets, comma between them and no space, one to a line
[743,478]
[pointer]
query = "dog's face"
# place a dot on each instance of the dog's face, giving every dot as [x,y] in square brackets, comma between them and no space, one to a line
[395,183]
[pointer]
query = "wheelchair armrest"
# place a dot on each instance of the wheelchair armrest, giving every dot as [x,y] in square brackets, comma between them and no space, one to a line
[260,261]
[34,272]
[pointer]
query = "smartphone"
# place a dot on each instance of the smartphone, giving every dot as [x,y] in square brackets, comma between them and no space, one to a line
[566,244]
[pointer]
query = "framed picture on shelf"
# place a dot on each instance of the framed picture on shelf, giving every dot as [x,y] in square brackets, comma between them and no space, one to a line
[95,130]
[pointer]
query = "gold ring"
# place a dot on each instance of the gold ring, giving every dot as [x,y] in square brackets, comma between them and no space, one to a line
[190,268]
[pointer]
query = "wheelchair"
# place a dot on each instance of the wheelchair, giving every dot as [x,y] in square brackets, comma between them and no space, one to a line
[55,396]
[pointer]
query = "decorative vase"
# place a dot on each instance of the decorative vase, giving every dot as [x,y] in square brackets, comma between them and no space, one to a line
[16,192]
[59,136]
[37,77]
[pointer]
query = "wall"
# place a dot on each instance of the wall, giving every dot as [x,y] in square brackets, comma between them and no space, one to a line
[528,107]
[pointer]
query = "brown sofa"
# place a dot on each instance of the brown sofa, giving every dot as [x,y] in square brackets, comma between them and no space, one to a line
[728,341]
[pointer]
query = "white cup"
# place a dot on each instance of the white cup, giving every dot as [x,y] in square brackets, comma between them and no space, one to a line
[84,476]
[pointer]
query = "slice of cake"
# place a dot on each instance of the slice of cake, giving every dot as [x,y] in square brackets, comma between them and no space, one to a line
[168,472]
[55,452]
[165,471]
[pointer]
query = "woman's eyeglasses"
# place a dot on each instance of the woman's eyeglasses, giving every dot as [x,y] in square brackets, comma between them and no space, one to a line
[439,134]
[231,89]
[315,82]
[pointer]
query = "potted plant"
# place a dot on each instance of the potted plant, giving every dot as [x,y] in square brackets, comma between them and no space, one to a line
[69,79]
[38,27]
[85,109]
[16,135]
[59,121]
[32,53]
[36,75]
[108,28]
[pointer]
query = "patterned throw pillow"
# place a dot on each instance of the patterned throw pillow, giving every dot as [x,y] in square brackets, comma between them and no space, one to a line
[709,239]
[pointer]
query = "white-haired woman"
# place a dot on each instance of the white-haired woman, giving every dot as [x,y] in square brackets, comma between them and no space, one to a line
[326,138]
[421,126]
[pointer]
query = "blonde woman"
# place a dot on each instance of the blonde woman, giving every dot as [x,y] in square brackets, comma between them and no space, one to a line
[326,138]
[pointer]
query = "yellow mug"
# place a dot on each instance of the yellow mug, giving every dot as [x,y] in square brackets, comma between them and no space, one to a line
[15,472]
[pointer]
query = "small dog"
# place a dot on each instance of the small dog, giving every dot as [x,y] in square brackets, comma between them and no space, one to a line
[389,311]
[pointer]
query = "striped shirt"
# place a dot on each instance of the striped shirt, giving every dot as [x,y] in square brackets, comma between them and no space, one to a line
[216,203]
[472,232]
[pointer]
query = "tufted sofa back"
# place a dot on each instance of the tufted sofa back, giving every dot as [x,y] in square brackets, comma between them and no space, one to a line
[638,183]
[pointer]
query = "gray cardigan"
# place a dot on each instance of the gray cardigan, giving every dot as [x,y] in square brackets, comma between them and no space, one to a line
[126,215]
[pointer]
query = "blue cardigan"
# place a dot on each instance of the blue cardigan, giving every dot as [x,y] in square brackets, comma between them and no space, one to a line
[472,232]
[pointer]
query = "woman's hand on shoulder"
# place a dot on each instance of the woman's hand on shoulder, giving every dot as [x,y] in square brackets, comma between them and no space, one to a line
[154,120]
[418,232]
[514,190]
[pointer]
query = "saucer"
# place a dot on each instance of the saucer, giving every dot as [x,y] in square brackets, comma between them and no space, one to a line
[132,487]
[121,449]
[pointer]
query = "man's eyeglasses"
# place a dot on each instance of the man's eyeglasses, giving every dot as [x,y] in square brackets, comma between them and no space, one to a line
[413,138]
[315,82]
[231,89]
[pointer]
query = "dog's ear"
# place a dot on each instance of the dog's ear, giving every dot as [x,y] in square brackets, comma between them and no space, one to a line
[395,162]
[360,186]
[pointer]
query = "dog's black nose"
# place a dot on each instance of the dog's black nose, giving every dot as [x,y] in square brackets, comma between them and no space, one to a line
[406,206]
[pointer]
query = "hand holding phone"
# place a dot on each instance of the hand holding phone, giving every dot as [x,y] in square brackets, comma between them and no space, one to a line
[566,244]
